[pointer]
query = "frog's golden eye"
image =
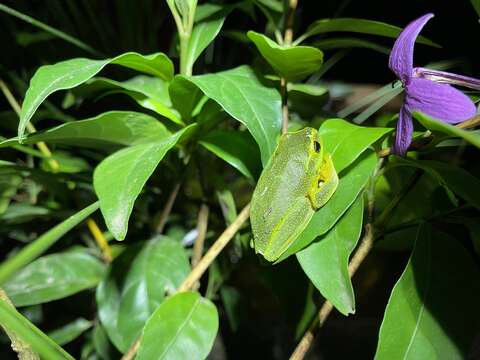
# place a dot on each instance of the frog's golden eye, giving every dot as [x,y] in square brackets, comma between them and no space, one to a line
[316,146]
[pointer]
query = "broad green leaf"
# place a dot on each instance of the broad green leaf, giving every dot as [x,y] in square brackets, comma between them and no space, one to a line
[433,310]
[452,177]
[67,163]
[326,261]
[54,277]
[476,5]
[437,125]
[185,96]
[236,148]
[70,332]
[305,99]
[148,91]
[183,327]
[42,243]
[203,34]
[70,73]
[357,26]
[113,127]
[134,289]
[346,141]
[241,94]
[120,177]
[344,42]
[18,325]
[351,184]
[291,62]
[275,5]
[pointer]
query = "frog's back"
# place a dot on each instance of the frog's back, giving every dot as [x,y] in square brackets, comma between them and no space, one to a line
[280,194]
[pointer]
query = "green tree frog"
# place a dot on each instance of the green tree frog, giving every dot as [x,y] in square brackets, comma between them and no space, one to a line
[298,180]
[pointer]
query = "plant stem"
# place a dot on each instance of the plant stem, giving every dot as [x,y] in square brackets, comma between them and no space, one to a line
[214,250]
[361,253]
[288,36]
[168,208]
[202,265]
[16,107]
[287,41]
[28,333]
[284,95]
[100,239]
[202,224]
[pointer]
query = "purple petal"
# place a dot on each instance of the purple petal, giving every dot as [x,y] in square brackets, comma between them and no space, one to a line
[440,101]
[403,136]
[401,56]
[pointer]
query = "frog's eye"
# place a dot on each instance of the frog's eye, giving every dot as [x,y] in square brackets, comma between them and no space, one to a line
[316,146]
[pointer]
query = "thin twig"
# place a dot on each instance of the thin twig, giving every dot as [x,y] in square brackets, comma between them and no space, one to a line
[214,250]
[288,37]
[132,351]
[44,149]
[168,208]
[202,224]
[327,307]
[361,253]
[284,95]
[203,264]
[100,239]
[287,41]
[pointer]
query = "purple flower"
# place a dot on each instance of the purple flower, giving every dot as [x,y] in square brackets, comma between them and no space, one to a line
[426,90]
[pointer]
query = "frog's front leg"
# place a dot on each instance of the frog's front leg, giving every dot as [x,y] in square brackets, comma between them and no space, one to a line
[325,184]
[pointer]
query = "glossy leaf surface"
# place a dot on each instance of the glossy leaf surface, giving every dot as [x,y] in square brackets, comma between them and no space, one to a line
[183,327]
[136,286]
[421,321]
[326,261]
[119,178]
[70,73]
[241,94]
[54,277]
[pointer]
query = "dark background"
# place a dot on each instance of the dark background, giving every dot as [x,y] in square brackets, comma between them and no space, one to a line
[114,27]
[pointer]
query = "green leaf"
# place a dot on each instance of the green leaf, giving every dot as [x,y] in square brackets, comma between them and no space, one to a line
[357,26]
[134,289]
[120,177]
[183,327]
[241,94]
[440,126]
[185,96]
[476,5]
[70,73]
[148,91]
[326,261]
[421,321]
[346,141]
[452,177]
[16,324]
[351,184]
[347,42]
[71,331]
[291,62]
[60,34]
[54,277]
[113,127]
[202,35]
[236,148]
[42,243]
